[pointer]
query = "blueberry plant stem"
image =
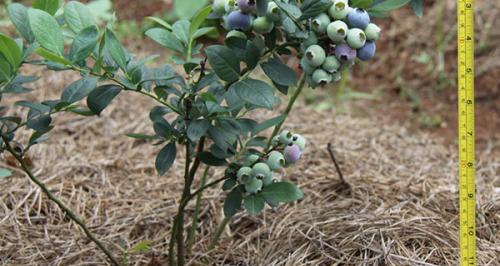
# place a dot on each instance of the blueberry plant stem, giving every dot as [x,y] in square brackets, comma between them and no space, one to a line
[218,232]
[196,213]
[59,203]
[291,102]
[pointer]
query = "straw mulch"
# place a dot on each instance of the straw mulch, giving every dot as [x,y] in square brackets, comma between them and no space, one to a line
[400,207]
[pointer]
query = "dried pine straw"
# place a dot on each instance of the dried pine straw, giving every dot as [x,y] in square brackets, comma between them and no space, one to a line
[401,208]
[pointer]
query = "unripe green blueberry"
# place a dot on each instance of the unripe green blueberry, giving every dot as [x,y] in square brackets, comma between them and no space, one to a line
[356,38]
[306,67]
[286,137]
[230,6]
[261,170]
[337,31]
[292,154]
[320,23]
[331,64]
[273,12]
[276,160]
[321,77]
[339,9]
[299,140]
[254,185]
[372,32]
[244,174]
[315,55]
[236,34]
[219,7]
[262,25]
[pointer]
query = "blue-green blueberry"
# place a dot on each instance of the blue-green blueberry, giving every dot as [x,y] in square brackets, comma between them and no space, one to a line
[276,160]
[356,38]
[315,55]
[372,32]
[320,22]
[339,9]
[337,31]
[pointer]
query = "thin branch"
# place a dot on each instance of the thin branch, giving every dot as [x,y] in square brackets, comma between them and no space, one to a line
[337,167]
[59,203]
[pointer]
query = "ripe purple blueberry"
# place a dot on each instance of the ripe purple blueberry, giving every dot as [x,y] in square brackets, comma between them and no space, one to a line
[367,52]
[247,6]
[292,154]
[358,18]
[238,20]
[344,53]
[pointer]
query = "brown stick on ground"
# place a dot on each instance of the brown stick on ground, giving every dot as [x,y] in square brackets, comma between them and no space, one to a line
[337,167]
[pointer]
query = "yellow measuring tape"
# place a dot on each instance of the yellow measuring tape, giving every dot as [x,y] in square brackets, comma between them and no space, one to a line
[466,132]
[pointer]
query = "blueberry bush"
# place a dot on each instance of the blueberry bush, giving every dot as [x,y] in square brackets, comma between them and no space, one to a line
[212,93]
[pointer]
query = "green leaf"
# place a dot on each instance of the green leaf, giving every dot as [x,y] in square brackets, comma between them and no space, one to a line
[84,44]
[46,30]
[165,158]
[282,192]
[5,69]
[140,136]
[312,8]
[229,184]
[255,92]
[49,55]
[197,128]
[78,16]
[78,90]
[161,22]
[163,129]
[203,31]
[40,123]
[224,62]
[181,30]
[209,159]
[140,247]
[388,5]
[19,16]
[418,7]
[252,55]
[115,49]
[10,50]
[165,38]
[254,204]
[101,97]
[268,123]
[279,72]
[185,9]
[4,173]
[233,202]
[361,3]
[198,19]
[49,6]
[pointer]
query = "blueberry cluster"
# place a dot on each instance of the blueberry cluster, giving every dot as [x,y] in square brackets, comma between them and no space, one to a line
[338,36]
[257,172]
[241,15]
